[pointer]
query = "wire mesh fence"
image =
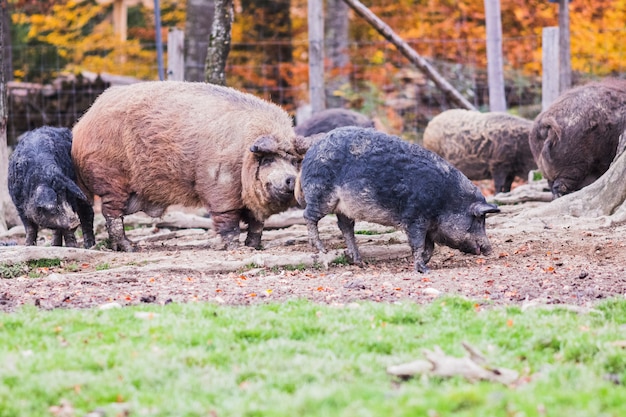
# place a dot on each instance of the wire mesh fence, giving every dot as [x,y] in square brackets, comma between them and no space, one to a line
[377,80]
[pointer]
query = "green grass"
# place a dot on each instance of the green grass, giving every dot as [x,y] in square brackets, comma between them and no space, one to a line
[303,359]
[12,270]
[102,266]
[44,263]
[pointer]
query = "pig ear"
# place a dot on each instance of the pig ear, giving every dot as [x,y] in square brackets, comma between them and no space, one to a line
[480,209]
[264,145]
[303,143]
[72,188]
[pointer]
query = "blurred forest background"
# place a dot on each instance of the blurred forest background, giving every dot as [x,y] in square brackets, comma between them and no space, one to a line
[56,44]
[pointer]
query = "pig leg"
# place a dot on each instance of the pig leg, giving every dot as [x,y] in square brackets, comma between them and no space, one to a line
[255,229]
[312,217]
[346,225]
[421,246]
[69,235]
[119,241]
[57,237]
[113,205]
[31,232]
[501,179]
[314,236]
[85,214]
[226,224]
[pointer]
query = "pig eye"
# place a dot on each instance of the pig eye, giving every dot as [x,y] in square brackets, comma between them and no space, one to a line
[266,160]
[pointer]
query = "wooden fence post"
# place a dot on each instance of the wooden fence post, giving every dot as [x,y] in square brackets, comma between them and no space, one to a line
[176,55]
[316,55]
[495,73]
[550,66]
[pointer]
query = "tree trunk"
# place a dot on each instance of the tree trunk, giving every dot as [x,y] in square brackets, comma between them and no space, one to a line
[410,54]
[336,50]
[219,43]
[200,15]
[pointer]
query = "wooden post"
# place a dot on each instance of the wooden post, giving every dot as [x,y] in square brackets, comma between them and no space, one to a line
[497,98]
[565,59]
[176,55]
[159,41]
[550,66]
[316,55]
[120,19]
[410,53]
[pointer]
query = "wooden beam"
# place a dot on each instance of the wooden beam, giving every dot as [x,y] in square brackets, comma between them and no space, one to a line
[410,54]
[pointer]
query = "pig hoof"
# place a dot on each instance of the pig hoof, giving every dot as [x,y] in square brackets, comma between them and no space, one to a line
[254,241]
[232,245]
[124,246]
[421,267]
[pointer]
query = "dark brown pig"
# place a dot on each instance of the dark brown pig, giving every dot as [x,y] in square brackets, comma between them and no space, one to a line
[483,145]
[575,139]
[149,145]
[326,120]
[363,174]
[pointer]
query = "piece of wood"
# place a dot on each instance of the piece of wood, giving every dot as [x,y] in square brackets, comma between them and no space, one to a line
[415,58]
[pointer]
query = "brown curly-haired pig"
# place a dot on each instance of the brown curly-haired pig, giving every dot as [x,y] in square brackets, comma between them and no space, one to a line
[575,139]
[483,145]
[147,146]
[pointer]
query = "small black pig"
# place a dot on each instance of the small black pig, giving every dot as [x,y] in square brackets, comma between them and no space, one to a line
[42,185]
[363,174]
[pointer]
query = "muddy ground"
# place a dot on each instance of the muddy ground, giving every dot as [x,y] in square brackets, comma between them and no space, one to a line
[556,261]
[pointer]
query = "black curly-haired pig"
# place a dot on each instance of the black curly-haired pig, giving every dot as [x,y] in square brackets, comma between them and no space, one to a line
[42,185]
[364,174]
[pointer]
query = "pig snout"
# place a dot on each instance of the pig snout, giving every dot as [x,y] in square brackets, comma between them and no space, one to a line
[280,182]
[290,183]
[483,248]
[559,189]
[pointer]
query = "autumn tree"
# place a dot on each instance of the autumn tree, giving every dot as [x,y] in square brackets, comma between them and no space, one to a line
[80,33]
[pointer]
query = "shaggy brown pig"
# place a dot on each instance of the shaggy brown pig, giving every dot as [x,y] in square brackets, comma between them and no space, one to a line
[326,120]
[575,139]
[483,145]
[42,185]
[364,174]
[146,146]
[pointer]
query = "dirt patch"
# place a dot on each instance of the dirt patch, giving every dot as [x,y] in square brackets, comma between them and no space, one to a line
[550,261]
